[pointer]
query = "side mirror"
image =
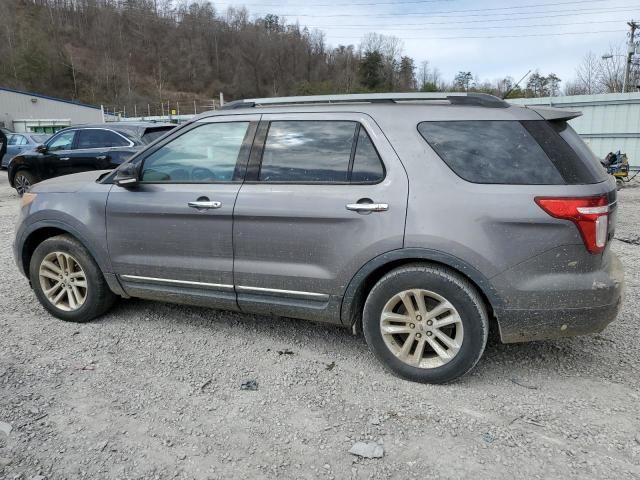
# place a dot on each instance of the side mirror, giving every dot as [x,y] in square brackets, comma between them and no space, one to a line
[126,175]
[41,149]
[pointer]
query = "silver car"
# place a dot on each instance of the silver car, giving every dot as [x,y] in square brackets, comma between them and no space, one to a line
[418,219]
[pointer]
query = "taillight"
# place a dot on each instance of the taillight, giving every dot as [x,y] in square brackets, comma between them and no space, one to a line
[590,214]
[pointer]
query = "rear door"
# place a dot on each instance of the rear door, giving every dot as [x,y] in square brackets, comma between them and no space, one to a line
[324,194]
[170,236]
[95,149]
[15,144]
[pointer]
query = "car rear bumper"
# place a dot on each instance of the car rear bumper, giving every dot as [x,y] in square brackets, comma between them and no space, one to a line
[528,325]
[562,304]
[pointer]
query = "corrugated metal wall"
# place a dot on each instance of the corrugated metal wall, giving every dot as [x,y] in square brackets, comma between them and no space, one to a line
[609,122]
[21,106]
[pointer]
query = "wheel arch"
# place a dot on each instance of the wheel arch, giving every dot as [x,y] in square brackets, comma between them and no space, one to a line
[364,280]
[19,163]
[42,231]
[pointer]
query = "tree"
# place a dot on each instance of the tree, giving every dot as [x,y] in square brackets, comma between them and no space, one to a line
[406,74]
[553,83]
[371,70]
[611,72]
[463,81]
[587,75]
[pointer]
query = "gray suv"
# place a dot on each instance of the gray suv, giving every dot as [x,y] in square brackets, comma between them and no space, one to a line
[418,219]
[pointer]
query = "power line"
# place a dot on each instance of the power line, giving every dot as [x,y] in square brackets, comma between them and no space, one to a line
[572,14]
[410,2]
[458,37]
[441,14]
[402,27]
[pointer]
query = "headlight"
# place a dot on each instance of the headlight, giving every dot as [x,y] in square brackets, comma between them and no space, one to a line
[27,198]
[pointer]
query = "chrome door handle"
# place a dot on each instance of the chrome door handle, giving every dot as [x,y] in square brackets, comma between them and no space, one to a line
[368,207]
[204,205]
[64,158]
[101,157]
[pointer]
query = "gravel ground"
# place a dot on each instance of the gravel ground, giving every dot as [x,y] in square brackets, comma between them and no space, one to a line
[153,391]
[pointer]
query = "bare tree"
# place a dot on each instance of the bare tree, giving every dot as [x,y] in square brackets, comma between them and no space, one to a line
[611,72]
[587,74]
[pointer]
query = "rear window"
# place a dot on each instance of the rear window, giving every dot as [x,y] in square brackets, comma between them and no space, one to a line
[507,152]
[152,134]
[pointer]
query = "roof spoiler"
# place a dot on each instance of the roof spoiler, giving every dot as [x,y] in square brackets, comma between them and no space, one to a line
[550,113]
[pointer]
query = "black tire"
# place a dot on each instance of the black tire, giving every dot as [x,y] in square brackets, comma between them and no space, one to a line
[21,178]
[458,291]
[99,298]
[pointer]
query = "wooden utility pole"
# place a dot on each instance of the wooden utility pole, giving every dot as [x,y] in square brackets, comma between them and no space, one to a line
[631,50]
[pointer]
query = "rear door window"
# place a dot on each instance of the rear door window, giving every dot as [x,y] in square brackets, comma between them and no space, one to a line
[367,165]
[319,151]
[307,151]
[98,138]
[496,151]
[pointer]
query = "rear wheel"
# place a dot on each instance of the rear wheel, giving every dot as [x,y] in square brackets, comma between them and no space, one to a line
[426,323]
[67,281]
[23,181]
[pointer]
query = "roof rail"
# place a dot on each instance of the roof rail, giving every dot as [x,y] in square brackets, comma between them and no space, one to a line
[454,98]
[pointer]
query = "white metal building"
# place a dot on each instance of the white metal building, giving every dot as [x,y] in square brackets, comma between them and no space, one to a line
[32,112]
[609,122]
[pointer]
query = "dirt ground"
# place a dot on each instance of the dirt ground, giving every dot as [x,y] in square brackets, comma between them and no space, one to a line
[153,391]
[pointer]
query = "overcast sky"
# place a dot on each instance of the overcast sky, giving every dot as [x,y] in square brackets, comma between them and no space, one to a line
[548,35]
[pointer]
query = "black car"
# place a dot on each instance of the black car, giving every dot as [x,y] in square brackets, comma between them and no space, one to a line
[82,148]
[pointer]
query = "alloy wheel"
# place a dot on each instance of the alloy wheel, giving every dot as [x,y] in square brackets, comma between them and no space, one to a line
[22,184]
[421,328]
[63,281]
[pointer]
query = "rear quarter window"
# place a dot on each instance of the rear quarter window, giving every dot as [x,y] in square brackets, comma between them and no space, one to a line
[494,151]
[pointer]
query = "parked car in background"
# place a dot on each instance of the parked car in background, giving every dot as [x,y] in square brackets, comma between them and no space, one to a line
[415,218]
[83,148]
[22,142]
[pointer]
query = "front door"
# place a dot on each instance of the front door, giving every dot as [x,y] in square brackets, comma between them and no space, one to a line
[324,195]
[171,235]
[56,161]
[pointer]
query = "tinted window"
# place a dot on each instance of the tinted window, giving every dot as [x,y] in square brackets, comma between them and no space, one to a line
[62,141]
[307,151]
[151,134]
[591,170]
[491,152]
[367,165]
[207,153]
[98,138]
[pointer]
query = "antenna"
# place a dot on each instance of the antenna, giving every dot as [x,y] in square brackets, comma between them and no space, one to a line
[513,87]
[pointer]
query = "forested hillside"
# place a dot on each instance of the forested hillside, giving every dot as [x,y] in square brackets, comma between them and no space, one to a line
[136,55]
[125,52]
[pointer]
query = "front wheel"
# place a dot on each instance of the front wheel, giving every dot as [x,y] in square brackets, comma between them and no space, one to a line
[426,323]
[67,280]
